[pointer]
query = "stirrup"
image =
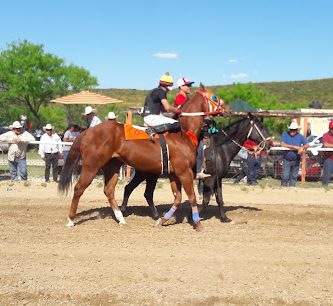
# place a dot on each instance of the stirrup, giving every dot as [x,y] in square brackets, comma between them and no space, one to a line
[151,134]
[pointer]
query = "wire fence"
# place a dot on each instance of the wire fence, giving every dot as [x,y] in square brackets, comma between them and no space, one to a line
[271,165]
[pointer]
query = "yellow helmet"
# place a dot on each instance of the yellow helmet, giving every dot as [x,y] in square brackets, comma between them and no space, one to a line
[166,80]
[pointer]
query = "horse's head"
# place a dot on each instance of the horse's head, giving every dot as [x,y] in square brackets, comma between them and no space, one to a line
[258,132]
[204,102]
[213,103]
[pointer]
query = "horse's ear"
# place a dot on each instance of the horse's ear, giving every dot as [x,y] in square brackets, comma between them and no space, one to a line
[202,87]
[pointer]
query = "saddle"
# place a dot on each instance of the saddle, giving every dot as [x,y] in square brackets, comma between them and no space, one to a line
[137,132]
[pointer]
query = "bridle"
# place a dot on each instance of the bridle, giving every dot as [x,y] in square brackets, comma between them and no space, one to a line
[261,145]
[210,102]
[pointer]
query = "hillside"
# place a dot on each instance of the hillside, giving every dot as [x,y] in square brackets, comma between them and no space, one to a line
[287,92]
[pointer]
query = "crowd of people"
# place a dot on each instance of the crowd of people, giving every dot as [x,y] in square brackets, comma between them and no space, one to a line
[155,106]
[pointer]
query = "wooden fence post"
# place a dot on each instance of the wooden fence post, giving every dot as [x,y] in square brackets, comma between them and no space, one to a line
[305,129]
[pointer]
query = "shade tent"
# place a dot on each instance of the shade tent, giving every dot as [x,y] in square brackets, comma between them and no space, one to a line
[239,105]
[86,97]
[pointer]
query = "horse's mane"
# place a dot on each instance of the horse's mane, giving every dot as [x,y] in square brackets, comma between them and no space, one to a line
[221,137]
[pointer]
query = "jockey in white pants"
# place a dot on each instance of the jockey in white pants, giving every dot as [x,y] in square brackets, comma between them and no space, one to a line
[156,103]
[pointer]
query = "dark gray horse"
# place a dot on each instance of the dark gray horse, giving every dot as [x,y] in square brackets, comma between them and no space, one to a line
[224,147]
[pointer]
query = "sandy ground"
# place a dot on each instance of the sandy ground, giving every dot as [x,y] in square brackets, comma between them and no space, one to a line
[278,252]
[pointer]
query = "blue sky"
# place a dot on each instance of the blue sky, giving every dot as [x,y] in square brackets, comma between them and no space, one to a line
[130,44]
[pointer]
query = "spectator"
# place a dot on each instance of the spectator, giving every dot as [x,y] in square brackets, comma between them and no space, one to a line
[111,116]
[23,122]
[328,163]
[243,153]
[50,151]
[253,161]
[92,119]
[297,144]
[71,133]
[18,140]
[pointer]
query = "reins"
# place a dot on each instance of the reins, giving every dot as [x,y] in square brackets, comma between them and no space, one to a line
[261,145]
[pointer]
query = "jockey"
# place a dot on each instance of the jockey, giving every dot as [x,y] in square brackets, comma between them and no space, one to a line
[156,102]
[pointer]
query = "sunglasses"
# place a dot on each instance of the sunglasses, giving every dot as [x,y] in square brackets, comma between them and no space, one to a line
[293,130]
[48,130]
[188,85]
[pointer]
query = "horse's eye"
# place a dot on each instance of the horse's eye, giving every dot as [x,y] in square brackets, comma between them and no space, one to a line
[214,98]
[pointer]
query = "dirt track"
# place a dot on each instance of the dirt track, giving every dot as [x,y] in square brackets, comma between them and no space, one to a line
[279,251]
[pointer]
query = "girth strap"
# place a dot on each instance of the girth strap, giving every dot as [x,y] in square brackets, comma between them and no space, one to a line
[164,155]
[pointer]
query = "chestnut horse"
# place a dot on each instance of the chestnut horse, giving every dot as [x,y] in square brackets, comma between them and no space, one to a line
[105,147]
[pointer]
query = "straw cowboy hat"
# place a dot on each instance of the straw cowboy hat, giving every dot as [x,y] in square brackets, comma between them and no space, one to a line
[48,127]
[88,110]
[293,126]
[111,116]
[16,125]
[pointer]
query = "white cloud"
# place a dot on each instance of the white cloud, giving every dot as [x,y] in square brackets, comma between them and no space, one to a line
[238,76]
[166,55]
[232,61]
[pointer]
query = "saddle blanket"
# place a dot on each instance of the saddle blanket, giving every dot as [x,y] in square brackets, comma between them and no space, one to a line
[133,132]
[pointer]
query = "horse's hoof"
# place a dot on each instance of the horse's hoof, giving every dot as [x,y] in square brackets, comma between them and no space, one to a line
[160,221]
[70,223]
[227,220]
[198,226]
[122,222]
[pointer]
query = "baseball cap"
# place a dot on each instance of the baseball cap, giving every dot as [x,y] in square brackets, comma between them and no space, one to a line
[184,81]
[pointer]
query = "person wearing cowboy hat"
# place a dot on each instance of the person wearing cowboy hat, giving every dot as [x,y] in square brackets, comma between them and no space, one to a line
[297,144]
[328,162]
[50,151]
[110,116]
[18,140]
[92,119]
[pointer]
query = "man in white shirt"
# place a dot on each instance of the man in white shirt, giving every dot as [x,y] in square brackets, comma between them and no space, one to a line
[18,140]
[50,151]
[92,119]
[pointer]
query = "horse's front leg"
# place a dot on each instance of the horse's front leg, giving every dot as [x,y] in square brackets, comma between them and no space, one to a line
[208,188]
[186,179]
[220,203]
[151,180]
[135,182]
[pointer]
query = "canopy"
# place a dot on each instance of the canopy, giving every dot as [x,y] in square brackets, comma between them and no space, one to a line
[239,105]
[86,97]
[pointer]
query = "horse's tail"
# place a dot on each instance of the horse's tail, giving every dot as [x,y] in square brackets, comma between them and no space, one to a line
[70,165]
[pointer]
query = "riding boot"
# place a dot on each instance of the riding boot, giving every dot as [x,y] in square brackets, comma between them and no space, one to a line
[151,132]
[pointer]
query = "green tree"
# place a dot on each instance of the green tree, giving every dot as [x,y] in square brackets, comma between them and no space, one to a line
[30,77]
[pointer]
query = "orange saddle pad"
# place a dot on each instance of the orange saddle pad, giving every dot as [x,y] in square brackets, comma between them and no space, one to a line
[132,133]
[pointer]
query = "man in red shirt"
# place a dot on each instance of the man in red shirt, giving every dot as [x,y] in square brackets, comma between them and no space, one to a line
[253,161]
[184,85]
[328,163]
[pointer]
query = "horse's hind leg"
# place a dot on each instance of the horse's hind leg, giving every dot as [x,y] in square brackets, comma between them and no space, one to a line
[111,174]
[82,184]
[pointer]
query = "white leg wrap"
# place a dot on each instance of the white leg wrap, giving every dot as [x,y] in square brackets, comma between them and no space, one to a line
[119,216]
[70,223]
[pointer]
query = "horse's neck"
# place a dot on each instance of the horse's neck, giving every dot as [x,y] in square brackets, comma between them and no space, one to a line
[237,136]
[193,123]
